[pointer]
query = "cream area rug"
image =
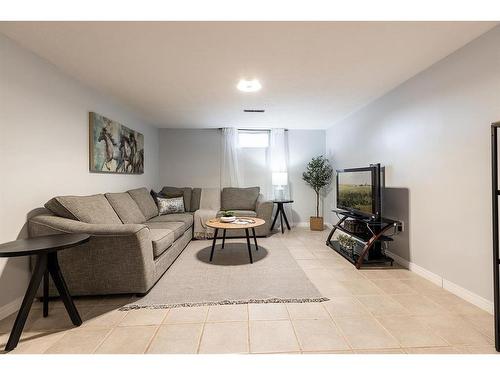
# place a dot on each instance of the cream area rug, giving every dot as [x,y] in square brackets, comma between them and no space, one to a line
[193,280]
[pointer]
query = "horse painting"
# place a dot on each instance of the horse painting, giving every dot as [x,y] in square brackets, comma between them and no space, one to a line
[114,148]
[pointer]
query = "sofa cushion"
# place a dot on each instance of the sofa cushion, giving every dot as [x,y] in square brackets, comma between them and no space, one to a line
[177,227]
[195,199]
[162,239]
[240,213]
[170,205]
[186,218]
[128,211]
[239,198]
[58,209]
[145,201]
[174,192]
[92,209]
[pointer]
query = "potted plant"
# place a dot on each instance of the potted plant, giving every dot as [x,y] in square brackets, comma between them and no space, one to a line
[228,217]
[318,175]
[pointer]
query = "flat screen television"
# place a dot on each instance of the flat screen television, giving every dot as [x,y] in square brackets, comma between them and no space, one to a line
[359,191]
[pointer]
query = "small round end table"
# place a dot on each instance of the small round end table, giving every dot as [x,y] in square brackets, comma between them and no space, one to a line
[281,212]
[45,249]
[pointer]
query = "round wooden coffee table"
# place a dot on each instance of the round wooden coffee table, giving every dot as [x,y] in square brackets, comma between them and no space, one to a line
[217,224]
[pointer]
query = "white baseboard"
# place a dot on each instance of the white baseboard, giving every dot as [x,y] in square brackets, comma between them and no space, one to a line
[467,295]
[451,287]
[302,224]
[305,224]
[10,308]
[426,274]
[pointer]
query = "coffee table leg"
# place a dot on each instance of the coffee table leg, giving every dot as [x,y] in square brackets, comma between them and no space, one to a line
[223,238]
[46,293]
[22,315]
[62,288]
[248,245]
[255,240]
[213,244]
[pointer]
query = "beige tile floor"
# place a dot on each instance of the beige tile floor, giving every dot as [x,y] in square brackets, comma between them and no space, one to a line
[369,311]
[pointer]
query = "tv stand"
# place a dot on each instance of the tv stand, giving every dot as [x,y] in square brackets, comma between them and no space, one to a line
[371,240]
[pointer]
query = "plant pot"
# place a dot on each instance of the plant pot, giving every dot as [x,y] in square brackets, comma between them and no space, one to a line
[227,219]
[316,223]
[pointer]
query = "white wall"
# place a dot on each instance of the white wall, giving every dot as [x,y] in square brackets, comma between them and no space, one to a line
[303,145]
[45,150]
[191,157]
[433,135]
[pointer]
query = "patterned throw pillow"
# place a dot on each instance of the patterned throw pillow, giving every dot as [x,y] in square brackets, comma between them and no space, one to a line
[170,205]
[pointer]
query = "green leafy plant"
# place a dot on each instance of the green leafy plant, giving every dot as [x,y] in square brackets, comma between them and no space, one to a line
[346,241]
[228,214]
[318,175]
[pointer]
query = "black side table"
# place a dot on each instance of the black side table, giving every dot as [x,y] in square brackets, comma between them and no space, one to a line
[281,212]
[45,249]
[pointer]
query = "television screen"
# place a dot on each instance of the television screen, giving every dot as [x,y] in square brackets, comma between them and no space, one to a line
[355,191]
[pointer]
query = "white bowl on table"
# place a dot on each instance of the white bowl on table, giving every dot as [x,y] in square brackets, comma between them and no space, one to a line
[227,219]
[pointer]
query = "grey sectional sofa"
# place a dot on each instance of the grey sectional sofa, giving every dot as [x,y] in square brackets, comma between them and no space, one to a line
[130,248]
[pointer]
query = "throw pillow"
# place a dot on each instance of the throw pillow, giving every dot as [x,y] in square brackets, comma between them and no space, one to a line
[155,195]
[170,205]
[162,194]
[172,192]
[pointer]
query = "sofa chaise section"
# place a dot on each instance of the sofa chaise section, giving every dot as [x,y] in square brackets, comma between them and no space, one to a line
[130,246]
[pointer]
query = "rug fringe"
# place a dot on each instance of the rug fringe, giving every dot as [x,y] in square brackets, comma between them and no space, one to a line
[225,302]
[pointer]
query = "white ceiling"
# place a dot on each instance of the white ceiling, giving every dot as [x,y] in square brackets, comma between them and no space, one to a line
[183,74]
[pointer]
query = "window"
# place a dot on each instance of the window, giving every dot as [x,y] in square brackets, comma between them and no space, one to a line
[253,138]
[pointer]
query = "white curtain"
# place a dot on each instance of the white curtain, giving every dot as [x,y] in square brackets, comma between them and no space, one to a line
[278,163]
[230,176]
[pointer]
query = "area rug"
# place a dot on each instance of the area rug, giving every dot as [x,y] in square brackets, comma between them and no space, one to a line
[274,277]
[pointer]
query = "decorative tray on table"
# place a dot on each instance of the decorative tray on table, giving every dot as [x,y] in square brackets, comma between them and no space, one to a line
[241,221]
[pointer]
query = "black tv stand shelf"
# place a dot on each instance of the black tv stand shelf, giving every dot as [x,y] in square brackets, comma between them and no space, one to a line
[375,235]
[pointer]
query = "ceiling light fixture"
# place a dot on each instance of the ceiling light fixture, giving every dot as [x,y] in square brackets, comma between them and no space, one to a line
[252,85]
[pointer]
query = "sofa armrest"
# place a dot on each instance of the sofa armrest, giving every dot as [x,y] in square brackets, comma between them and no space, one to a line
[56,224]
[264,209]
[117,259]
